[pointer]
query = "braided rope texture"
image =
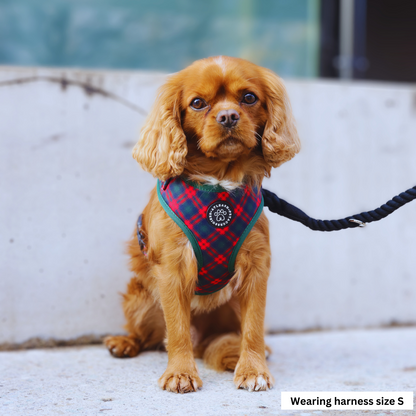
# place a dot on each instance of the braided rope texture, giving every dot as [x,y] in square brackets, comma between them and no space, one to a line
[281,207]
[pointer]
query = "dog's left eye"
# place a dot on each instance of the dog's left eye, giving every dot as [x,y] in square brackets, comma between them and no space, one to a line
[198,104]
[249,98]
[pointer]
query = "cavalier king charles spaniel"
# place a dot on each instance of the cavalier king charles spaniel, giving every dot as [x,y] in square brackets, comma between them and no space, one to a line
[201,254]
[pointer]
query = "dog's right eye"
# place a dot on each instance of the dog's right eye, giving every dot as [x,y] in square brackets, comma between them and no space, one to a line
[198,104]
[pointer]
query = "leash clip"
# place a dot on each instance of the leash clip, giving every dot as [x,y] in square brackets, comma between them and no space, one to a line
[360,223]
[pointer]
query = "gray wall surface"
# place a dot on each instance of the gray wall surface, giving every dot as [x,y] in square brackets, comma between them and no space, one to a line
[71,192]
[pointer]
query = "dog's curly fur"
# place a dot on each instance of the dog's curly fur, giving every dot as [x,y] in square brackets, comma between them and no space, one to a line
[226,328]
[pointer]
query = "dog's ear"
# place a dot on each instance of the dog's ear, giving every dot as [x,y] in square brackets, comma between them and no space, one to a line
[280,140]
[161,149]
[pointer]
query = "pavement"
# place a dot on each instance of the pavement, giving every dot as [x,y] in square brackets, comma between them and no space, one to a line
[88,381]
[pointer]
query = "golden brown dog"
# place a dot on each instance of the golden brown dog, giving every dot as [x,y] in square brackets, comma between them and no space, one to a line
[220,121]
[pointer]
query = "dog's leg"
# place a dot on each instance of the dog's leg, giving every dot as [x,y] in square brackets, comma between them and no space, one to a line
[181,375]
[145,323]
[251,372]
[253,269]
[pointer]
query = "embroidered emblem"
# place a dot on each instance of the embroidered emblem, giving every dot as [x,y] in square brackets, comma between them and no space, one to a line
[220,214]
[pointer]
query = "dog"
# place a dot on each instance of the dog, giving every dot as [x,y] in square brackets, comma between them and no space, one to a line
[201,254]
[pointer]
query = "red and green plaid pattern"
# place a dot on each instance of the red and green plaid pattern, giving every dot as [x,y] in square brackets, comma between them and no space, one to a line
[216,247]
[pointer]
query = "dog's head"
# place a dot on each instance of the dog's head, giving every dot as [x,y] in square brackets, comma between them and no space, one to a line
[223,109]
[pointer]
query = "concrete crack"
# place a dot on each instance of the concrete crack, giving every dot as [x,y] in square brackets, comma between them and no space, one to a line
[88,89]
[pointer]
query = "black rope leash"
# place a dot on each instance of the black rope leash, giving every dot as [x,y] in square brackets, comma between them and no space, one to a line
[281,207]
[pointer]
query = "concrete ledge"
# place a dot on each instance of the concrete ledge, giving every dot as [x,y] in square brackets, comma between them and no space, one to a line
[88,381]
[71,194]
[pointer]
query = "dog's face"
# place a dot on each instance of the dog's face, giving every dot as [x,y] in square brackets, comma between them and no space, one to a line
[222,108]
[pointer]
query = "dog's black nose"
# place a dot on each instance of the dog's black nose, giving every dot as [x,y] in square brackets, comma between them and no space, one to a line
[228,118]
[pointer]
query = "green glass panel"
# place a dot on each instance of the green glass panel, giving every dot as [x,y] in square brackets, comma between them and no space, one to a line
[162,35]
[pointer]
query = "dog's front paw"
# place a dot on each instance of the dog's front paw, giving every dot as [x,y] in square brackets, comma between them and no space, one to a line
[122,346]
[180,381]
[253,378]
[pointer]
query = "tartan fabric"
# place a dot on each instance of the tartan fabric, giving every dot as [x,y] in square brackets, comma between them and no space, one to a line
[190,203]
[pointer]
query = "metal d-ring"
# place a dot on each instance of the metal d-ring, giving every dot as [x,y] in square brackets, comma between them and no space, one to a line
[360,223]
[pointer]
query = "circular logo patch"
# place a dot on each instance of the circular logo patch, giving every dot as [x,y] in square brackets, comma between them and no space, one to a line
[220,214]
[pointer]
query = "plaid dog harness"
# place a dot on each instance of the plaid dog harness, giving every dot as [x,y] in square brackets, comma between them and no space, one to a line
[216,223]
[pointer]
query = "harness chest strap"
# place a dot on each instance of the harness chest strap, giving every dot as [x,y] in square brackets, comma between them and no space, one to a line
[216,223]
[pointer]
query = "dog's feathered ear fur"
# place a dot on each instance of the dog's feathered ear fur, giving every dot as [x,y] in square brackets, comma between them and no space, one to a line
[280,140]
[161,149]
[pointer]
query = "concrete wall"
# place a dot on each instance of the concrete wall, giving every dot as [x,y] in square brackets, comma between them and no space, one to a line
[71,192]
